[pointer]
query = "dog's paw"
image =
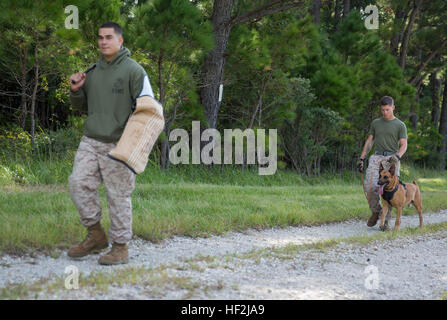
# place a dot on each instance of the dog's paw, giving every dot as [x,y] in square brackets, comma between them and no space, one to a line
[383,228]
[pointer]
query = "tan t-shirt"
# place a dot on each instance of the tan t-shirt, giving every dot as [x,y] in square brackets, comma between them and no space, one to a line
[387,133]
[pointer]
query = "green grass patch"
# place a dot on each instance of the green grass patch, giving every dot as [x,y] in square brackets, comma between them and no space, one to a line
[192,201]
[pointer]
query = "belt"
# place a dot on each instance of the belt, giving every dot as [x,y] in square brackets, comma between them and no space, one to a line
[385,153]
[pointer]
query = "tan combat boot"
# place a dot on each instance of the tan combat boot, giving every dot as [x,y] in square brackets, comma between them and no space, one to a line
[117,255]
[95,241]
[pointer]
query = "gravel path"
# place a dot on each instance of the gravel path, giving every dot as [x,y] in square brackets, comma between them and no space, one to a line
[404,268]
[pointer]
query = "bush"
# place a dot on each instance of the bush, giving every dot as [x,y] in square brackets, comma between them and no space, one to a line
[15,143]
[422,147]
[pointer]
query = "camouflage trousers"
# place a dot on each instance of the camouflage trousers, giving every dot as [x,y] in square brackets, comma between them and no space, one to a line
[370,182]
[91,167]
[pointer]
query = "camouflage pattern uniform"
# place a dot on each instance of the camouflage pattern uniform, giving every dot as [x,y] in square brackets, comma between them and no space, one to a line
[91,167]
[372,177]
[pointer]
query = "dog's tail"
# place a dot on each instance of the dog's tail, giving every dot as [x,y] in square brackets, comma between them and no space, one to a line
[418,189]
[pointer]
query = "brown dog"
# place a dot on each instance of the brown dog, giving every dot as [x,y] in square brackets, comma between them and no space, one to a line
[396,194]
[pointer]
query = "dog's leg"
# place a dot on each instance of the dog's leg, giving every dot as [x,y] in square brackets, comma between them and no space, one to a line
[398,215]
[418,204]
[419,209]
[383,215]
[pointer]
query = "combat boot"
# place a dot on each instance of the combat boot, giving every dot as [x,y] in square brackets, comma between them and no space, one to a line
[117,255]
[95,241]
[373,219]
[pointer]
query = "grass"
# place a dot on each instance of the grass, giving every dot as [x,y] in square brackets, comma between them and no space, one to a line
[37,213]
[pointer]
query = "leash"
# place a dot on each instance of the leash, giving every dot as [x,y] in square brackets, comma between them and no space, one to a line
[363,185]
[362,179]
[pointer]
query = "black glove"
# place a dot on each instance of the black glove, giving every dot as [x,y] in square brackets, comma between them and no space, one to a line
[360,164]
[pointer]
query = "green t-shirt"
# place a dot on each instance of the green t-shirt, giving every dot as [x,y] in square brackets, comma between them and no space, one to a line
[387,133]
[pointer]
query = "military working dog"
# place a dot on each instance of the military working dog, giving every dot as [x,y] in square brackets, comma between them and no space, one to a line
[395,194]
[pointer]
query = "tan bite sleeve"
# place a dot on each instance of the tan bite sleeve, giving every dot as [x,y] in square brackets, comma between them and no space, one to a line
[139,136]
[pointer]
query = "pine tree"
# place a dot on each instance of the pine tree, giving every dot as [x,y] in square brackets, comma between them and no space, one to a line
[173,35]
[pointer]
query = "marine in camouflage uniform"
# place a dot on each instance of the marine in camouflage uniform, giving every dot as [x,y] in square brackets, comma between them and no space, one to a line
[389,137]
[109,91]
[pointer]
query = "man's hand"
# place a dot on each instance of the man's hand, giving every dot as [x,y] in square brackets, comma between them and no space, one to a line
[394,159]
[360,164]
[77,80]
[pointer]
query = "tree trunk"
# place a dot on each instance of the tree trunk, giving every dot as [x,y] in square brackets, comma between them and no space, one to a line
[417,77]
[165,147]
[33,105]
[414,116]
[165,151]
[443,128]
[346,8]
[406,37]
[293,160]
[337,14]
[319,165]
[399,26]
[161,84]
[260,101]
[23,106]
[436,88]
[215,61]
[316,11]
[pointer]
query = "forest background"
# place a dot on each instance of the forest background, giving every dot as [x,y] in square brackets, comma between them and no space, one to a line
[310,69]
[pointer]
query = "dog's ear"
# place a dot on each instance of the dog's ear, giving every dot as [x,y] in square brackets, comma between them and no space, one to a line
[381,167]
[393,169]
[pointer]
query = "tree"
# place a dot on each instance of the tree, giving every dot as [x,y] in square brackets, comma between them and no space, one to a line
[92,14]
[400,10]
[174,37]
[39,52]
[435,91]
[38,30]
[306,140]
[223,20]
[355,72]
[260,70]
[316,11]
[443,129]
[407,33]
[292,133]
[15,65]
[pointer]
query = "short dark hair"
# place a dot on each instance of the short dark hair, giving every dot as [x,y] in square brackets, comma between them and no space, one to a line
[386,101]
[116,27]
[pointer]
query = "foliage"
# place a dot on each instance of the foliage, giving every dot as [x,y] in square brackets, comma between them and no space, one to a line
[281,71]
[15,143]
